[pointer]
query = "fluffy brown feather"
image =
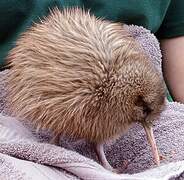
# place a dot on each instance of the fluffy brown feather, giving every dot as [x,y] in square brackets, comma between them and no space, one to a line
[81,76]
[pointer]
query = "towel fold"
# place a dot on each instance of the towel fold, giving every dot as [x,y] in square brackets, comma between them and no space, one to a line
[25,154]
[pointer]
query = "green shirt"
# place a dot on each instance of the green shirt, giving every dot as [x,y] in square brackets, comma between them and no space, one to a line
[165,18]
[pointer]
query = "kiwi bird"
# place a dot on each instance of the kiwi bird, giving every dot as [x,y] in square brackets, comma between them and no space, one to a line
[84,77]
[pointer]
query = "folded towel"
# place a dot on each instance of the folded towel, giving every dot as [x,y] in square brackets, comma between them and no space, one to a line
[24,154]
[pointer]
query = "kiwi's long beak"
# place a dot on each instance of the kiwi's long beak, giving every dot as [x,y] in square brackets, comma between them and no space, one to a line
[151,139]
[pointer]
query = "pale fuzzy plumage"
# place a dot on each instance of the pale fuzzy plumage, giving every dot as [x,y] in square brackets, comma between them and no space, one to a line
[81,76]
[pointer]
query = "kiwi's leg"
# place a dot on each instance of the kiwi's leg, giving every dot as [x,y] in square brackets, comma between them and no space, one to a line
[101,156]
[55,139]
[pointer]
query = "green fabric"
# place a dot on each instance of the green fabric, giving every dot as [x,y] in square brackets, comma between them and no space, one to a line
[169,97]
[173,23]
[165,18]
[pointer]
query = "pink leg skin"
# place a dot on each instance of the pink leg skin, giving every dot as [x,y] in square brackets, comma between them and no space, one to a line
[151,140]
[55,140]
[101,156]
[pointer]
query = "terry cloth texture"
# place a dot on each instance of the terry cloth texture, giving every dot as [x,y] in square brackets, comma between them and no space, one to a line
[27,155]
